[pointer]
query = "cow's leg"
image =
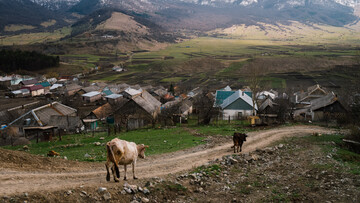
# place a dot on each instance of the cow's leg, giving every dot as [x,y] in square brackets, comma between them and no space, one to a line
[241,146]
[125,168]
[234,148]
[133,170]
[113,170]
[107,171]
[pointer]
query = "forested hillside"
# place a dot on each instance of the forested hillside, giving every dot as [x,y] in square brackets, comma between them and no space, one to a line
[11,61]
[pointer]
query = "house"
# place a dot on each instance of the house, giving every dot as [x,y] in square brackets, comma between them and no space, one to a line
[88,89]
[28,82]
[5,82]
[21,93]
[194,92]
[142,109]
[186,107]
[268,111]
[266,94]
[71,89]
[91,96]
[67,123]
[114,98]
[35,90]
[46,86]
[102,112]
[55,86]
[41,116]
[236,106]
[106,92]
[130,92]
[118,69]
[91,123]
[312,92]
[36,121]
[323,108]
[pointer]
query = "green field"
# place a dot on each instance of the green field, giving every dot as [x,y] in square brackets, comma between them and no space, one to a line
[74,147]
[32,38]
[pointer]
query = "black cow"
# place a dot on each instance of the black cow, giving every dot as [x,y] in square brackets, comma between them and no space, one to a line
[239,139]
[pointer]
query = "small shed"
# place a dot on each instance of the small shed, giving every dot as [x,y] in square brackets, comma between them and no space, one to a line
[21,93]
[91,123]
[91,96]
[40,133]
[113,98]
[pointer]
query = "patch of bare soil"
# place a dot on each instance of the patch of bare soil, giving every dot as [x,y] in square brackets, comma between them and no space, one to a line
[73,181]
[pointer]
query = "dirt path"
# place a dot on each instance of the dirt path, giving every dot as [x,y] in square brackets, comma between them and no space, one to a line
[17,181]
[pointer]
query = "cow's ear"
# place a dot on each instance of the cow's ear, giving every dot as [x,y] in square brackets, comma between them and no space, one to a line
[146,146]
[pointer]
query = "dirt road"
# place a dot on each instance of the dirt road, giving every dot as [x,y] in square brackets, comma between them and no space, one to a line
[21,180]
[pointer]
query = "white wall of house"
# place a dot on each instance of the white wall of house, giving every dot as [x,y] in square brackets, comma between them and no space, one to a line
[37,92]
[236,114]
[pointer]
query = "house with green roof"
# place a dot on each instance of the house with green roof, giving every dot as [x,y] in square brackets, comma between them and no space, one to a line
[234,104]
[46,86]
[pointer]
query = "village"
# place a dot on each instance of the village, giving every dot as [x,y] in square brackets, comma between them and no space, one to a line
[44,108]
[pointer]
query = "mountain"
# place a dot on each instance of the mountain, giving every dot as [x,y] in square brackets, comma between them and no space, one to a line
[24,12]
[56,4]
[211,14]
[202,15]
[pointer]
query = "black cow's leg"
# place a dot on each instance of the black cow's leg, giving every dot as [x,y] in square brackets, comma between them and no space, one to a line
[234,148]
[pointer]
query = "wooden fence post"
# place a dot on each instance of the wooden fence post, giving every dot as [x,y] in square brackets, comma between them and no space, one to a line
[60,134]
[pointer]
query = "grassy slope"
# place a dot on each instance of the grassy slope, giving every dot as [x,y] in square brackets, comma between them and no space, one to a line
[74,147]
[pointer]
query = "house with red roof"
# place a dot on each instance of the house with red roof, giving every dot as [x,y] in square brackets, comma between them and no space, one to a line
[35,90]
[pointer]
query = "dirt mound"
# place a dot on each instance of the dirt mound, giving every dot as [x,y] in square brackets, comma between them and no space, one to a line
[18,159]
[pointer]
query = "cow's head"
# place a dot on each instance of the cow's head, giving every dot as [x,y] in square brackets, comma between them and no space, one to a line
[245,135]
[141,150]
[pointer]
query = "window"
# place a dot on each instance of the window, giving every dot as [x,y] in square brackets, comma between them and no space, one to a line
[240,114]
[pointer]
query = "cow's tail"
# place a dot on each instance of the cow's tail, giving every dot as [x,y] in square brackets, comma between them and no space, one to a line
[112,158]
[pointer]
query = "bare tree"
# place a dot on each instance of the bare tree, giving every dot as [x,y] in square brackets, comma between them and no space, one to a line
[255,82]
[204,105]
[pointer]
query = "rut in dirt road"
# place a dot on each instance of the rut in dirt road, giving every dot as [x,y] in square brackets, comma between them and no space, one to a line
[21,181]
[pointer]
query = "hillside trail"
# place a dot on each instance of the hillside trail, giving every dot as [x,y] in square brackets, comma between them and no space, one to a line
[22,180]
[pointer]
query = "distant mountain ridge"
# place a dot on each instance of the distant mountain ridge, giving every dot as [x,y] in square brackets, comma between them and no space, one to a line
[201,15]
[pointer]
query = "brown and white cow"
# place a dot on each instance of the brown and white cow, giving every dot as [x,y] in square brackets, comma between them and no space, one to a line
[239,139]
[121,152]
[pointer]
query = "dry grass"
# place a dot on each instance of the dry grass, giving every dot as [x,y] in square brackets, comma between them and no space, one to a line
[48,23]
[14,28]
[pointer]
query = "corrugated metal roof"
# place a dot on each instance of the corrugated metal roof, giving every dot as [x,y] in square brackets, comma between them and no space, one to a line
[55,86]
[91,88]
[132,91]
[91,94]
[107,92]
[268,102]
[237,95]
[221,96]
[103,111]
[44,84]
[29,82]
[114,96]
[34,87]
[323,101]
[44,113]
[147,102]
